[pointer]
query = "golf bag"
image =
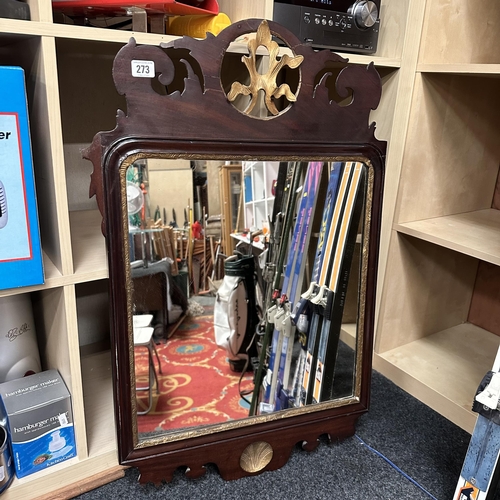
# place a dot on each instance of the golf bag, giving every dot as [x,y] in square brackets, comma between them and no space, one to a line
[235,312]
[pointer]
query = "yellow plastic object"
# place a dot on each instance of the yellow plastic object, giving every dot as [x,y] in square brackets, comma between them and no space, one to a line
[198,26]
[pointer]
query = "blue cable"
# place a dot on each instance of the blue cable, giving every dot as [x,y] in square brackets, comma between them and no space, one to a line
[396,467]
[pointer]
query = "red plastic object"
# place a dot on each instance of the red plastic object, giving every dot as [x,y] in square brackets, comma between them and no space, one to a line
[95,8]
[197,230]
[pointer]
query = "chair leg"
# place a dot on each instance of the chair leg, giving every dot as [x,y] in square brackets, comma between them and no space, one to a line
[150,398]
[157,357]
[150,351]
[151,374]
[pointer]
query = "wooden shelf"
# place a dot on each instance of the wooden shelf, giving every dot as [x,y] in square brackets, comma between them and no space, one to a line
[379,61]
[473,233]
[34,28]
[348,334]
[53,278]
[443,370]
[43,485]
[461,69]
[89,246]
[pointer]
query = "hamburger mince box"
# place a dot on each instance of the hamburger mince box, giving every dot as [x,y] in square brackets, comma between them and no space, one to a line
[37,411]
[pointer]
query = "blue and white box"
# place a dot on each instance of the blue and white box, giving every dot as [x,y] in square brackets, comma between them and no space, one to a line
[38,415]
[21,262]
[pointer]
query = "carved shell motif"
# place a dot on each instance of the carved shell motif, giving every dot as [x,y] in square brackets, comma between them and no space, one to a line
[256,456]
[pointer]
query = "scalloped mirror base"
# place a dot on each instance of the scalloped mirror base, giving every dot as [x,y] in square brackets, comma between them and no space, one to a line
[226,454]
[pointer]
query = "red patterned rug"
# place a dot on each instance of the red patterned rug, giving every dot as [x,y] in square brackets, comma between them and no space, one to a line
[196,386]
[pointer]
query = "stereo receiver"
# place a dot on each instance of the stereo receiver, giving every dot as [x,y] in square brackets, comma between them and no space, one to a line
[344,25]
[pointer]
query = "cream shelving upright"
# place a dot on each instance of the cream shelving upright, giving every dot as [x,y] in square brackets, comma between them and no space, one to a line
[71,97]
[444,229]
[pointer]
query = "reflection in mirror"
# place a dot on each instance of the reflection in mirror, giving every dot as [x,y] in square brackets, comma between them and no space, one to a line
[248,291]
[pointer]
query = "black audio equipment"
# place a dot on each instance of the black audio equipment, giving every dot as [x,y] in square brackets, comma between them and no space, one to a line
[343,25]
[12,9]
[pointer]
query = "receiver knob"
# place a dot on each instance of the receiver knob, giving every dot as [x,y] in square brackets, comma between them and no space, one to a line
[365,13]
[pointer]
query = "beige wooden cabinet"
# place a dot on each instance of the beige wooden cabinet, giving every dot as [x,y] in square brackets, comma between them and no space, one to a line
[439,315]
[438,113]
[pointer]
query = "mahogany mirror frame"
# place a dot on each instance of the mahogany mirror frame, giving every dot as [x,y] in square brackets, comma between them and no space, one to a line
[312,127]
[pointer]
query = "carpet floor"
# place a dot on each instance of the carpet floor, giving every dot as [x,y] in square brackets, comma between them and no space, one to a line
[426,447]
[189,356]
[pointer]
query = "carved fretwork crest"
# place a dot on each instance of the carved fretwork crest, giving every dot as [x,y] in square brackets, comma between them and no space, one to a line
[196,101]
[267,81]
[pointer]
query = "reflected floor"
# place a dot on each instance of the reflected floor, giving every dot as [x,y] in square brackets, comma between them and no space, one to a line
[190,355]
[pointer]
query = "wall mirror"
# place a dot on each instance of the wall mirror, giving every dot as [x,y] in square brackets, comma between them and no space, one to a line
[305,112]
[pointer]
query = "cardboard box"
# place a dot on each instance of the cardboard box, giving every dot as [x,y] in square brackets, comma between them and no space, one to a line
[21,261]
[39,421]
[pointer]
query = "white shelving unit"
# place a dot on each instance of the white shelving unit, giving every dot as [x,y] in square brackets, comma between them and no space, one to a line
[71,97]
[259,177]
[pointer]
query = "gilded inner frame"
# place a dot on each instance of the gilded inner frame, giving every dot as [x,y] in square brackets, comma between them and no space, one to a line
[183,434]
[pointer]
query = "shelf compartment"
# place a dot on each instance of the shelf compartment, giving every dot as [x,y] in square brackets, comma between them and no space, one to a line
[430,291]
[101,439]
[465,33]
[473,233]
[78,63]
[454,168]
[89,246]
[36,55]
[259,176]
[443,370]
[395,16]
[57,332]
[98,401]
[393,25]
[92,309]
[426,342]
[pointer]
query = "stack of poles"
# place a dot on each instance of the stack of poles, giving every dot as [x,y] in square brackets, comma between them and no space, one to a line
[313,322]
[281,229]
[179,246]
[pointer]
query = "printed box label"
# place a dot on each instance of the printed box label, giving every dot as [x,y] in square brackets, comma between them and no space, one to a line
[15,240]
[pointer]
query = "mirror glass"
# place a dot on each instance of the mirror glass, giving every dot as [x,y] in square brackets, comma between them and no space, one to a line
[191,226]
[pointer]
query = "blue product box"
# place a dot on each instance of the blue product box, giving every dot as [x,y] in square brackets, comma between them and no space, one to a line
[248,189]
[21,261]
[37,413]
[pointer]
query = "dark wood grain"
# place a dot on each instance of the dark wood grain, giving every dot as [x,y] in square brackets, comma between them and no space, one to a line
[201,122]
